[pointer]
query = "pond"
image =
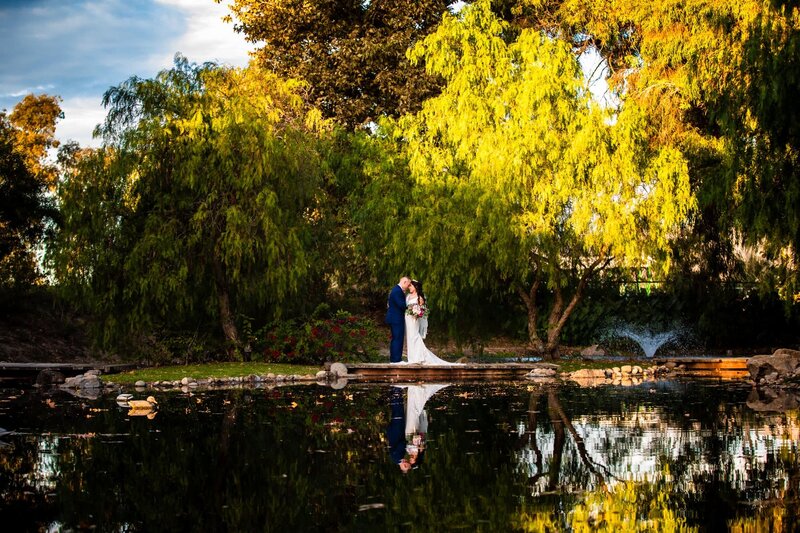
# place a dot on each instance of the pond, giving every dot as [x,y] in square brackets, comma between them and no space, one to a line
[476,457]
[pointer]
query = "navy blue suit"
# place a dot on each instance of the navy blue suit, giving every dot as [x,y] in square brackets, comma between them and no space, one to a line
[396,318]
[396,430]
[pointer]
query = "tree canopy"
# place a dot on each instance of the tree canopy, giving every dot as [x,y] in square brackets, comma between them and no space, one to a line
[351,53]
[517,178]
[718,79]
[200,202]
[25,176]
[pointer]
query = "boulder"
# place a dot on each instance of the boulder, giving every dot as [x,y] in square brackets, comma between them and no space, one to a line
[339,369]
[593,351]
[588,373]
[541,373]
[783,362]
[48,377]
[767,399]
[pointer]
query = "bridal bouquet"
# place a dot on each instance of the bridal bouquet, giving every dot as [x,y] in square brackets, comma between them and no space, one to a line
[417,311]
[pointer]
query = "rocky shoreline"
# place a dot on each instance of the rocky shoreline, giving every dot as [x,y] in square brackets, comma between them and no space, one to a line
[779,370]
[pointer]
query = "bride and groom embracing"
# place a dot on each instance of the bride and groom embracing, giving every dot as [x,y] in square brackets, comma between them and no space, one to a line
[407,316]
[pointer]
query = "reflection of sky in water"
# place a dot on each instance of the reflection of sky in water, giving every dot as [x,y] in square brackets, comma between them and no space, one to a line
[638,448]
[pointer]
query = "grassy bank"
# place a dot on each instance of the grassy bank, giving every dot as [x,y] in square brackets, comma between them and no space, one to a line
[210,370]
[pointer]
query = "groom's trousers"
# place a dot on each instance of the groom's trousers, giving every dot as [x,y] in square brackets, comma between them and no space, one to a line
[396,345]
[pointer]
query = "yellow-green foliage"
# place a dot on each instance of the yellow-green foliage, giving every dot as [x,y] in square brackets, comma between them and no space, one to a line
[514,170]
[627,507]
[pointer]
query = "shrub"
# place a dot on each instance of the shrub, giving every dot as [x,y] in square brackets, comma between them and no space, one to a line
[342,337]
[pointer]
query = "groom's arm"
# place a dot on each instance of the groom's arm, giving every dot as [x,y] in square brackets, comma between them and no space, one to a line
[398,298]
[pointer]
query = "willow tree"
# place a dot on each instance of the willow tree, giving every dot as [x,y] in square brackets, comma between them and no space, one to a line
[518,179]
[718,79]
[200,201]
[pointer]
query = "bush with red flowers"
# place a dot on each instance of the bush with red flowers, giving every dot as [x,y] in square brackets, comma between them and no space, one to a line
[341,337]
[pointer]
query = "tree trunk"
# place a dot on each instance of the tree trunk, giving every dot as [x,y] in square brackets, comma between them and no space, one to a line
[225,314]
[559,440]
[529,298]
[549,348]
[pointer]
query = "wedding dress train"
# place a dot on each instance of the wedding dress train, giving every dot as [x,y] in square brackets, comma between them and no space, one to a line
[416,350]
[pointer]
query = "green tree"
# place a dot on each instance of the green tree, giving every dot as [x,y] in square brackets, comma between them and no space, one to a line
[200,203]
[25,176]
[351,52]
[717,79]
[517,180]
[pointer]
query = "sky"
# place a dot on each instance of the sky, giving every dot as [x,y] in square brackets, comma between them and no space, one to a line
[77,49]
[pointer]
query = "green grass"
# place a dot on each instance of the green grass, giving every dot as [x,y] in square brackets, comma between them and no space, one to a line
[208,370]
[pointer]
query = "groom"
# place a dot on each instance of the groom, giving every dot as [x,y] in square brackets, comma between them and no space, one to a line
[396,318]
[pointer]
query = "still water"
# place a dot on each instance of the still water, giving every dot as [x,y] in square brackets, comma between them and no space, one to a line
[475,457]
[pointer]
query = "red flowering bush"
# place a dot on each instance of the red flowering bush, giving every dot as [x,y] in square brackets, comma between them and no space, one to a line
[342,337]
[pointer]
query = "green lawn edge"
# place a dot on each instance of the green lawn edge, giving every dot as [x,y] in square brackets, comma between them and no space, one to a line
[210,370]
[230,370]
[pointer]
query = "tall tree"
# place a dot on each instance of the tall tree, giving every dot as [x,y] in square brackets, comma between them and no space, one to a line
[720,80]
[34,118]
[25,176]
[352,53]
[200,202]
[516,178]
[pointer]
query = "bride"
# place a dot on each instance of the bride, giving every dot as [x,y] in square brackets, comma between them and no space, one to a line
[416,329]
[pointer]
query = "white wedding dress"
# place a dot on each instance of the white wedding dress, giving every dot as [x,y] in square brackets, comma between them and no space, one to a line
[416,350]
[416,416]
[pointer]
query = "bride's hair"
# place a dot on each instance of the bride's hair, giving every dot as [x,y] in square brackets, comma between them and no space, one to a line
[418,286]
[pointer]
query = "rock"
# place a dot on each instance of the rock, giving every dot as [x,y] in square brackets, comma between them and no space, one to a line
[670,365]
[48,377]
[270,376]
[186,381]
[93,372]
[626,369]
[593,351]
[616,370]
[339,369]
[786,351]
[783,362]
[322,375]
[767,399]
[589,377]
[541,373]
[588,373]
[636,370]
[91,382]
[140,383]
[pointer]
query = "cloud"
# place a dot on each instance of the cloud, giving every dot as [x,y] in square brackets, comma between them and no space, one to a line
[78,49]
[81,115]
[207,37]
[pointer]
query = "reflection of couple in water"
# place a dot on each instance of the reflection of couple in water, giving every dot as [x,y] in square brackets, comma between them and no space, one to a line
[408,426]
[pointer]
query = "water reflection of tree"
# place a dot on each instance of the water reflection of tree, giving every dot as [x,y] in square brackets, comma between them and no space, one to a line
[561,425]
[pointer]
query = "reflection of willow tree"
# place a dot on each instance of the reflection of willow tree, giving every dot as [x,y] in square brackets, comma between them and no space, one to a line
[561,425]
[624,506]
